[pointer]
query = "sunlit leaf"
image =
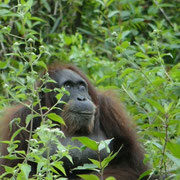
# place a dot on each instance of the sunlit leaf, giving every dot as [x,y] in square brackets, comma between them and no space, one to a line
[89,177]
[56,118]
[91,144]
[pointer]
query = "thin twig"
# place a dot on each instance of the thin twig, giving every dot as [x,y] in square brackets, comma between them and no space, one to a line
[30,135]
[22,103]
[136,102]
[3,48]
[100,162]
[55,8]
[164,14]
[161,61]
[164,146]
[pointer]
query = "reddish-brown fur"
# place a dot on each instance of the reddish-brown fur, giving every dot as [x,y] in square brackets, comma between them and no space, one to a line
[128,165]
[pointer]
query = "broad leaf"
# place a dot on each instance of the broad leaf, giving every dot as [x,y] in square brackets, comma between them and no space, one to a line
[91,144]
[56,118]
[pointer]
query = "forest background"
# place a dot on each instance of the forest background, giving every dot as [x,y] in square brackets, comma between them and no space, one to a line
[130,46]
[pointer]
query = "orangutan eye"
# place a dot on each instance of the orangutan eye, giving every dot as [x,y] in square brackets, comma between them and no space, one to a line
[68,85]
[82,86]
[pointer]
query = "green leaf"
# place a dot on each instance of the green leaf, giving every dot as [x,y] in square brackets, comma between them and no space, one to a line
[157,145]
[42,64]
[174,159]
[108,159]
[137,20]
[86,167]
[144,174]
[46,90]
[86,31]
[59,96]
[3,64]
[95,162]
[101,2]
[91,144]
[89,177]
[56,118]
[4,12]
[126,71]
[9,170]
[30,117]
[168,107]
[141,55]
[16,133]
[156,133]
[109,2]
[59,166]
[21,96]
[25,170]
[110,178]
[5,142]
[55,25]
[68,40]
[11,157]
[112,13]
[38,19]
[125,44]
[105,144]
[174,149]
[156,105]
[105,77]
[28,5]
[21,152]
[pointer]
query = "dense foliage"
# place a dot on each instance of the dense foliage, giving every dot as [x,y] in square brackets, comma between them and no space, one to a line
[131,46]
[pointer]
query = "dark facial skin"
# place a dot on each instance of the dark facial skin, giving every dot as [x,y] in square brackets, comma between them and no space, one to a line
[79,116]
[79,110]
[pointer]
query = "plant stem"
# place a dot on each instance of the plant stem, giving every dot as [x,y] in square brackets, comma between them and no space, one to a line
[164,147]
[164,14]
[101,168]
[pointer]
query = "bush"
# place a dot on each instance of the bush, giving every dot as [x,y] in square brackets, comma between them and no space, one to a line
[129,46]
